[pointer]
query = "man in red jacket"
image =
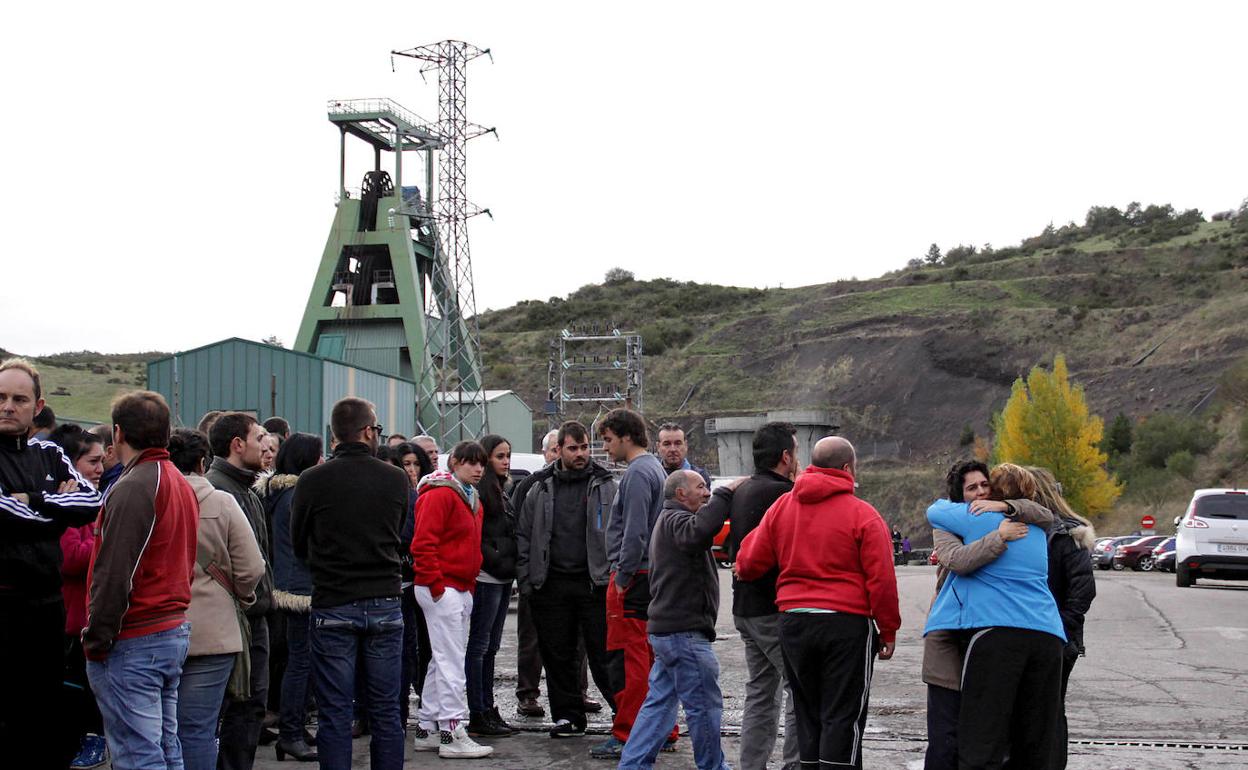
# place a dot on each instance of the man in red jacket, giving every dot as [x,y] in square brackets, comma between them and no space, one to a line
[836,585]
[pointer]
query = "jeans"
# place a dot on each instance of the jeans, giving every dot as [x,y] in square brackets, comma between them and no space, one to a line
[684,668]
[199,702]
[31,669]
[136,688]
[765,692]
[415,640]
[485,634]
[242,720]
[297,677]
[566,610]
[374,626]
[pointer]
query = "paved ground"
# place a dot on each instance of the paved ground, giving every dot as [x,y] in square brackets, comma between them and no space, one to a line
[1164,666]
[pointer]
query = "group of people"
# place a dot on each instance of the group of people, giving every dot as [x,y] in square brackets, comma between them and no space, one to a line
[182,591]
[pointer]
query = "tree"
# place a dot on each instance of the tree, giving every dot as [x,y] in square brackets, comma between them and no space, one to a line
[968,436]
[618,275]
[933,256]
[1046,423]
[1118,436]
[273,341]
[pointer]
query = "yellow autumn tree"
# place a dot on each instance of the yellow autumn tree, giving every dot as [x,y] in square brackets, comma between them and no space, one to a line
[1046,422]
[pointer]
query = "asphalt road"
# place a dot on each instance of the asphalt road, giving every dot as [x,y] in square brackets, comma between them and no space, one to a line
[1165,668]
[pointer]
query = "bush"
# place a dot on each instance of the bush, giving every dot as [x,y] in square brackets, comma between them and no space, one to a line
[618,275]
[1183,463]
[1164,434]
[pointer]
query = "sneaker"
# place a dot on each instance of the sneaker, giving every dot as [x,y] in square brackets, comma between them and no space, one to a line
[94,753]
[529,707]
[565,729]
[611,748]
[455,744]
[669,745]
[424,740]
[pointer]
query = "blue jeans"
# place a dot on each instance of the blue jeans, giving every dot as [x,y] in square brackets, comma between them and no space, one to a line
[485,634]
[684,669]
[297,677]
[374,626]
[136,688]
[199,702]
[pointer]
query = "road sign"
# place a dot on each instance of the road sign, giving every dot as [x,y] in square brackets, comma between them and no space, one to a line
[1147,522]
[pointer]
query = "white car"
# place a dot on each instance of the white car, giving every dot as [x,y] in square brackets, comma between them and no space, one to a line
[1211,538]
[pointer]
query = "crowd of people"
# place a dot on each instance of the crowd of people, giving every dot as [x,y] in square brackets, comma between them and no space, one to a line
[184,596]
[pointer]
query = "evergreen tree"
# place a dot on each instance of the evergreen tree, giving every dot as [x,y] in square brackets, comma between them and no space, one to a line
[933,255]
[1046,422]
[1118,436]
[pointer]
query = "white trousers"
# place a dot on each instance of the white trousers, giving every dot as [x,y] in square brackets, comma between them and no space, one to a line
[444,695]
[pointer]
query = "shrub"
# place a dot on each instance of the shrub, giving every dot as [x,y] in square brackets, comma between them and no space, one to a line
[1166,433]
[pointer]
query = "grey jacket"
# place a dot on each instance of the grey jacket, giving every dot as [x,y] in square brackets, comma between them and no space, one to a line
[684,579]
[534,524]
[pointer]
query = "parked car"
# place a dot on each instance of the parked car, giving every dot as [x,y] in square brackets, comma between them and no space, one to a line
[1163,556]
[1137,554]
[1103,552]
[1211,539]
[719,545]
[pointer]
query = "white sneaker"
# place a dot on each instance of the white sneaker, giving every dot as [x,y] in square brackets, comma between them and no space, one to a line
[425,740]
[457,745]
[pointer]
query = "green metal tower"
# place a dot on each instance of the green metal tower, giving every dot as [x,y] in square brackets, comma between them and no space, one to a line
[384,295]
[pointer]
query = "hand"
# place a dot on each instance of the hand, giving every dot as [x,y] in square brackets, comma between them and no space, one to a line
[67,486]
[979,506]
[735,572]
[21,497]
[1012,530]
[732,487]
[886,650]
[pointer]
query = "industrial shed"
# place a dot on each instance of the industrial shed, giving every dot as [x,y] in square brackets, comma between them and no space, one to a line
[507,413]
[267,381]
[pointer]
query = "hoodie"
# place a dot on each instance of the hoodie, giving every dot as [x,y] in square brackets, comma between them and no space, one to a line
[446,549]
[833,550]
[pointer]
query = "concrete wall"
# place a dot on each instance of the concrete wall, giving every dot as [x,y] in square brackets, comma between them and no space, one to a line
[734,436]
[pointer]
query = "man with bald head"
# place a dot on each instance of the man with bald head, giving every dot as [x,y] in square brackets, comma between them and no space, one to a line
[837,594]
[684,603]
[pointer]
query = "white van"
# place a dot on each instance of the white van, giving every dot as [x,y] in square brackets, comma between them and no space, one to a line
[1211,539]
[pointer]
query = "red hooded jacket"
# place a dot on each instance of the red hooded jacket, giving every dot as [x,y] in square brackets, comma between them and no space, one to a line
[446,548]
[834,551]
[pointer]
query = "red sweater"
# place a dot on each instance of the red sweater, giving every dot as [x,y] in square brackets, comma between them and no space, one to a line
[834,551]
[76,546]
[446,549]
[144,557]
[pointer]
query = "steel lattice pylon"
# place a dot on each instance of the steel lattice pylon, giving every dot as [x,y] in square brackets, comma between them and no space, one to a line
[454,352]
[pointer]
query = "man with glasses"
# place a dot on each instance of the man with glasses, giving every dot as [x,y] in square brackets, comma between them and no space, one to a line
[345,521]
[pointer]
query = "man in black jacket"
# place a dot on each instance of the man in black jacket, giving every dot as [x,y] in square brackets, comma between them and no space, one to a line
[40,496]
[237,442]
[344,522]
[684,602]
[754,610]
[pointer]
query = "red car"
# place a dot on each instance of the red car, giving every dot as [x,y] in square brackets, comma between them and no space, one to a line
[1138,555]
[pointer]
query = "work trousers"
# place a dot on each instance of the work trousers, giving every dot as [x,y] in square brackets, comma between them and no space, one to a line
[1011,696]
[566,610]
[32,665]
[629,656]
[766,692]
[829,659]
[242,720]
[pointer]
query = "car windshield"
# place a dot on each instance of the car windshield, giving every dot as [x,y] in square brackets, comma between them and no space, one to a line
[1222,506]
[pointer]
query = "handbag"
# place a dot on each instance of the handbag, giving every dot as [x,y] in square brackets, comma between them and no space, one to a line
[239,685]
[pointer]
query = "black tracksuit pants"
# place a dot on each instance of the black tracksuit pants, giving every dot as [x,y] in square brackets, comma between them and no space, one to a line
[1011,696]
[566,609]
[829,658]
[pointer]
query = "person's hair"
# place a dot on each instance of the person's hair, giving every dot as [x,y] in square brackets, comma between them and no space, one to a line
[492,484]
[468,452]
[350,416]
[384,453]
[298,453]
[143,417]
[551,439]
[22,365]
[399,451]
[671,426]
[572,429]
[836,454]
[205,422]
[73,440]
[187,449]
[771,442]
[1047,494]
[675,481]
[626,423]
[277,425]
[227,427]
[1012,482]
[45,419]
[956,477]
[399,436]
[104,433]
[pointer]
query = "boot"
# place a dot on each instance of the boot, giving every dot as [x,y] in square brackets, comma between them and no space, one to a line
[94,753]
[481,726]
[497,719]
[296,750]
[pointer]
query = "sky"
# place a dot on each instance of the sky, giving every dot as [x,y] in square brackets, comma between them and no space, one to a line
[170,172]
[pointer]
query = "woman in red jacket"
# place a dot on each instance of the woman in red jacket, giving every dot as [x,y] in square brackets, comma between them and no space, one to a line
[446,559]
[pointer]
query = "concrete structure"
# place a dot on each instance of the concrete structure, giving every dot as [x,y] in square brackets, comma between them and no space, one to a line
[266,381]
[734,436]
[507,413]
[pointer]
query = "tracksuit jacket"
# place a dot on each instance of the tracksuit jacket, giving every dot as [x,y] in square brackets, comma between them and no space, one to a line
[30,535]
[833,549]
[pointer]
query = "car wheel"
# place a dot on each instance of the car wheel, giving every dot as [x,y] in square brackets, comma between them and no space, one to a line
[1145,564]
[1102,566]
[1118,566]
[1182,578]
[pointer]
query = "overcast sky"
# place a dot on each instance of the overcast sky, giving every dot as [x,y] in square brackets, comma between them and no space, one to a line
[170,174]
